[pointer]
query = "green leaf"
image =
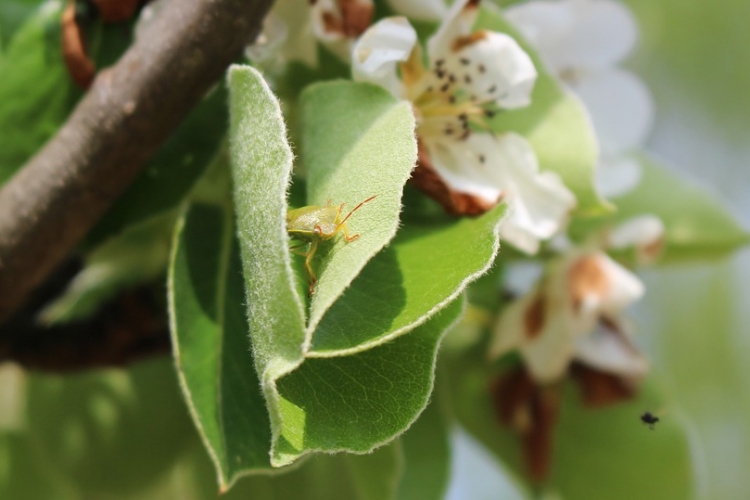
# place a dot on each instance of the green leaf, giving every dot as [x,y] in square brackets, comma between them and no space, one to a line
[173,171]
[320,477]
[697,223]
[36,93]
[358,143]
[96,434]
[702,315]
[136,256]
[425,268]
[361,401]
[211,344]
[427,456]
[556,123]
[598,453]
[358,399]
[261,168]
[12,15]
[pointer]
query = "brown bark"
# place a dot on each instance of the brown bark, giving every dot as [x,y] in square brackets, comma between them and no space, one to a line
[130,110]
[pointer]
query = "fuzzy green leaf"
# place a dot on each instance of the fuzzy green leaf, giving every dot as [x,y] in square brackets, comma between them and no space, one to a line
[423,269]
[358,142]
[360,401]
[556,123]
[361,397]
[598,453]
[261,168]
[211,344]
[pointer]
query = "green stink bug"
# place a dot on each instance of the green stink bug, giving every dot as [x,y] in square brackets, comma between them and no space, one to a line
[312,224]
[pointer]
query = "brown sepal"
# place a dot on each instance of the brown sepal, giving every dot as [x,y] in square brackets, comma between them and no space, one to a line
[80,66]
[356,17]
[427,180]
[600,389]
[533,411]
[116,11]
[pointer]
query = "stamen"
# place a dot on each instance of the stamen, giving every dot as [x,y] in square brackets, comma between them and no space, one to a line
[445,87]
[467,78]
[481,158]
[439,62]
[465,61]
[481,68]
[492,89]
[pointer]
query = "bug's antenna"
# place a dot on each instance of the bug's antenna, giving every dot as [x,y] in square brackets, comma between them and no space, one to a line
[354,210]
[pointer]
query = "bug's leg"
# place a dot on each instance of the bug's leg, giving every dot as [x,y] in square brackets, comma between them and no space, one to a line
[308,266]
[296,249]
[346,234]
[342,224]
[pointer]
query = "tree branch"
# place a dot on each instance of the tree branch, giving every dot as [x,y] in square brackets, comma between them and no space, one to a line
[130,110]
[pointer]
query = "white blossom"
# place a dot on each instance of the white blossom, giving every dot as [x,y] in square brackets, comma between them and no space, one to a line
[583,42]
[294,27]
[573,312]
[471,76]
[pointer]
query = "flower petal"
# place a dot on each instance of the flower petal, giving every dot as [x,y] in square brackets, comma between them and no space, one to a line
[493,67]
[644,230]
[519,277]
[611,351]
[456,24]
[488,166]
[621,108]
[420,10]
[267,47]
[380,49]
[300,40]
[548,356]
[336,20]
[624,287]
[535,327]
[539,201]
[617,175]
[463,165]
[644,233]
[573,34]
[508,333]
